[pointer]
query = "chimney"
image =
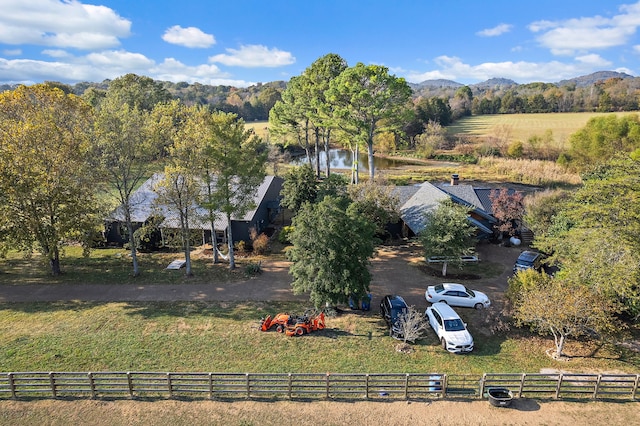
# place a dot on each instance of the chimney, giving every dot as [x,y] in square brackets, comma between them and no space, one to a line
[454,179]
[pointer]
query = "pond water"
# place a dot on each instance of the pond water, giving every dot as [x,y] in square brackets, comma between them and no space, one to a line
[341,159]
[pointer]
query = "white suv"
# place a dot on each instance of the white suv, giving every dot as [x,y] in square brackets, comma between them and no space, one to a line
[449,328]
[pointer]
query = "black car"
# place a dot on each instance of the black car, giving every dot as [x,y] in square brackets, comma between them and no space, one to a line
[391,308]
[528,260]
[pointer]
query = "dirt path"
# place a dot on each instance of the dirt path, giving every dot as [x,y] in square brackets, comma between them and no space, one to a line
[437,412]
[391,272]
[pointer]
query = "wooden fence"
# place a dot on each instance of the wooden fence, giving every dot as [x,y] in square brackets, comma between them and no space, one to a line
[333,386]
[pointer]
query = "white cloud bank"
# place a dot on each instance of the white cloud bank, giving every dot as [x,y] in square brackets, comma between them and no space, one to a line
[188,37]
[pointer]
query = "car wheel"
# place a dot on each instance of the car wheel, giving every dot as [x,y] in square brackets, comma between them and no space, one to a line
[279,328]
[299,331]
[479,306]
[443,343]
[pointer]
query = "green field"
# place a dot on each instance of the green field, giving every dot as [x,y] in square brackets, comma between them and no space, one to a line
[521,127]
[224,337]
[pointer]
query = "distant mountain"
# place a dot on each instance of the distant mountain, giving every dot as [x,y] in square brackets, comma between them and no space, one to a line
[494,83]
[588,80]
[439,83]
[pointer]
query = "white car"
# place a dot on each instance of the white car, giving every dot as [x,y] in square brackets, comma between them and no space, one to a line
[456,295]
[449,327]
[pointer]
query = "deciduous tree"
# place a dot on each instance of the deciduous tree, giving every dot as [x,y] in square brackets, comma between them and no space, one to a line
[46,179]
[563,308]
[237,159]
[508,209]
[447,233]
[331,251]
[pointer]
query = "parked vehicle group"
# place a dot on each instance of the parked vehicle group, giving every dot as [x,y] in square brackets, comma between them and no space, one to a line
[450,329]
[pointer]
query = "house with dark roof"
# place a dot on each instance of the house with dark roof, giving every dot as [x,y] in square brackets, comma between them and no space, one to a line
[144,207]
[417,200]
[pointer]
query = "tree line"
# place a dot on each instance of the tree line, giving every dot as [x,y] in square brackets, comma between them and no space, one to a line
[67,162]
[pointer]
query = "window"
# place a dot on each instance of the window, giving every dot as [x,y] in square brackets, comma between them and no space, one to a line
[454,325]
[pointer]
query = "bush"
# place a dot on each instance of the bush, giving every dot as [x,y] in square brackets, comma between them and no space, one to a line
[261,244]
[515,150]
[285,234]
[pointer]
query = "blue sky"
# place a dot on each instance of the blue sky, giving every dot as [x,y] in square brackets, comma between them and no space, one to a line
[242,42]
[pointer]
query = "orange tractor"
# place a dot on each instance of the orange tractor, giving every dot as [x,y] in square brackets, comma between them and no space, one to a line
[293,325]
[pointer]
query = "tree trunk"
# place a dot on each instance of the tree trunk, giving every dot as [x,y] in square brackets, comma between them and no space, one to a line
[317,145]
[355,167]
[444,269]
[132,242]
[370,158]
[560,345]
[214,243]
[186,244]
[54,262]
[326,151]
[232,260]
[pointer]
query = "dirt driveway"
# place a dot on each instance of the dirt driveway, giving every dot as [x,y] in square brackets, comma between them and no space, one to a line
[391,270]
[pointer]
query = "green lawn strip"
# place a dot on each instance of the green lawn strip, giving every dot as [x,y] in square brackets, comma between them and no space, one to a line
[224,337]
[113,266]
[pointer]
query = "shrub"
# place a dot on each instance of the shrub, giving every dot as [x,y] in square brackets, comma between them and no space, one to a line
[261,244]
[515,150]
[285,234]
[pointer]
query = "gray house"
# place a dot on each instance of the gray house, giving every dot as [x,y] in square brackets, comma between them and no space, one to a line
[417,200]
[144,208]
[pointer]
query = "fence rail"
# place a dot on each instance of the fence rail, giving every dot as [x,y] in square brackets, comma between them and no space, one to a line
[336,386]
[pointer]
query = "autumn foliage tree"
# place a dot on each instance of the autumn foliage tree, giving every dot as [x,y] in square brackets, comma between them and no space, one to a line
[47,180]
[447,234]
[508,209]
[559,306]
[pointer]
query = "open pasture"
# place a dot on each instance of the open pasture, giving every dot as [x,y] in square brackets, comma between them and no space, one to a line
[521,127]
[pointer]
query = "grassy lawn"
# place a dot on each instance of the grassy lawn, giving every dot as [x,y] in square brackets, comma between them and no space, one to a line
[224,337]
[113,266]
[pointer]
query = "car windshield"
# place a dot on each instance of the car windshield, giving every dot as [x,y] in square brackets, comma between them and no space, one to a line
[439,288]
[453,325]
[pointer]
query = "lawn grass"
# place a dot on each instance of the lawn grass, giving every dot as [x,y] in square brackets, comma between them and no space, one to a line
[224,337]
[113,266]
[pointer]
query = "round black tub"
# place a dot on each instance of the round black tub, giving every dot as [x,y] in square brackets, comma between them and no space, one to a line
[500,397]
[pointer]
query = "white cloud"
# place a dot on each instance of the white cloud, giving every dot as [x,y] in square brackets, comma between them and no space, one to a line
[61,24]
[253,56]
[56,53]
[594,60]
[452,68]
[188,37]
[495,31]
[588,33]
[110,65]
[12,52]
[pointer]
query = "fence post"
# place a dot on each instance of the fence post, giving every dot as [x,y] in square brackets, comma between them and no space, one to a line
[482,381]
[130,382]
[52,382]
[92,384]
[326,381]
[366,386]
[522,380]
[289,385]
[595,391]
[169,386]
[558,385]
[635,387]
[210,385]
[406,386]
[248,386]
[445,384]
[12,385]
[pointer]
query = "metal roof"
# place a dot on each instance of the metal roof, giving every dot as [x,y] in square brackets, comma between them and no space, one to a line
[144,205]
